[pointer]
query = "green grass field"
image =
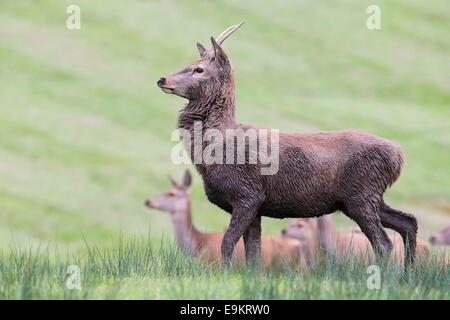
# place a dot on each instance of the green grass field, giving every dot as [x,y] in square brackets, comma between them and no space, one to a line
[85,132]
[134,268]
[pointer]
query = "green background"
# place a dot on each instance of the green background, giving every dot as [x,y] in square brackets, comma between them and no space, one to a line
[85,132]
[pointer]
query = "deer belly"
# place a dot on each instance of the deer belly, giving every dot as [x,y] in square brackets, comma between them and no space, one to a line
[297,207]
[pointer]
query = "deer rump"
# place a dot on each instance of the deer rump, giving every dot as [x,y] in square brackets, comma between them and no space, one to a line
[319,173]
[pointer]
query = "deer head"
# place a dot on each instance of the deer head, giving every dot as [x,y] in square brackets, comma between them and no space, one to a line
[302,229]
[175,200]
[206,76]
[441,237]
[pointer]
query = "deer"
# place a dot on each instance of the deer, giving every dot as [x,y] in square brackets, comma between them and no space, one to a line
[276,250]
[343,244]
[319,173]
[441,237]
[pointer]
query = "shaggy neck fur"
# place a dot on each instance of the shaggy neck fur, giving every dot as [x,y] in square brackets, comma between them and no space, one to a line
[215,109]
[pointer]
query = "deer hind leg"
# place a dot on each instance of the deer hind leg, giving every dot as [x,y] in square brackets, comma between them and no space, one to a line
[406,225]
[368,219]
[241,219]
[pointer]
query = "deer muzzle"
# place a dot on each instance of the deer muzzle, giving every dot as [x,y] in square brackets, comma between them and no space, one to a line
[165,85]
[161,82]
[148,204]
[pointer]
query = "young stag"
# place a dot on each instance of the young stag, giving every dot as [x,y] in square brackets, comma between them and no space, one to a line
[206,246]
[319,173]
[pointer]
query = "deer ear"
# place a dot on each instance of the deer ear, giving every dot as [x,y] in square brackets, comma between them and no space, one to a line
[201,49]
[174,182]
[219,54]
[187,180]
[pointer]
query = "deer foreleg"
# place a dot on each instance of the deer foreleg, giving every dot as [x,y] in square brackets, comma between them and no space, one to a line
[241,219]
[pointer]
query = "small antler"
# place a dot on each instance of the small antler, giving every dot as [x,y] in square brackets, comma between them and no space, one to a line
[221,38]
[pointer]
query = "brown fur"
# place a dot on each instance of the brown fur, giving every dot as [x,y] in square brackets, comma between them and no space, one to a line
[350,243]
[441,237]
[319,173]
[276,250]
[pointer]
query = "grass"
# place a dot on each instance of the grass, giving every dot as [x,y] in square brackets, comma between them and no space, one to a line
[85,133]
[134,268]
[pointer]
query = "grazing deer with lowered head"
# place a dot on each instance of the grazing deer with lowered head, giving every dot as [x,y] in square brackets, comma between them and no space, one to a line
[206,246]
[319,173]
[343,244]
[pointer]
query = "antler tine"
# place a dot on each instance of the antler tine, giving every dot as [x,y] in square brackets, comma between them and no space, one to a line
[224,35]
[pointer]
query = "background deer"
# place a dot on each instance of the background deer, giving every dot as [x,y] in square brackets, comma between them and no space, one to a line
[350,243]
[441,237]
[206,246]
[319,173]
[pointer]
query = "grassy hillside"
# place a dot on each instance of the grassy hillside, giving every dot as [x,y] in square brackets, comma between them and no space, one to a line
[85,132]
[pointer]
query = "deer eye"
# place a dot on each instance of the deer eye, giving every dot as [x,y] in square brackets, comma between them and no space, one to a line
[198,70]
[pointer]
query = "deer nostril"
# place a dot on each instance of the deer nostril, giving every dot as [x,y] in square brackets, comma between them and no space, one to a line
[147,203]
[161,81]
[283,232]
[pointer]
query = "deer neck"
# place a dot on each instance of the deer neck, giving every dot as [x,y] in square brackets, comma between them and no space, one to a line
[213,111]
[186,235]
[326,234]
